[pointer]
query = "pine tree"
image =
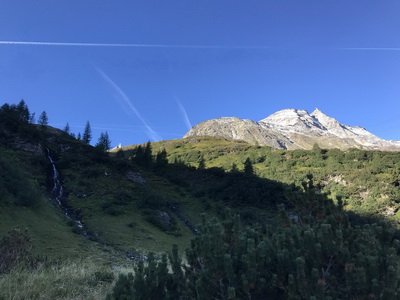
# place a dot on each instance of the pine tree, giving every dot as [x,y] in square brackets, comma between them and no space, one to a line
[138,154]
[23,112]
[147,154]
[161,158]
[32,118]
[87,134]
[248,167]
[143,155]
[104,142]
[15,117]
[43,120]
[67,129]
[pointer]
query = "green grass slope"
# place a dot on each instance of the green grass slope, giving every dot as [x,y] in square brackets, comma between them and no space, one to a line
[367,180]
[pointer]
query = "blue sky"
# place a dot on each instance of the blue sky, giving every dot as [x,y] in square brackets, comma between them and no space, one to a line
[148,70]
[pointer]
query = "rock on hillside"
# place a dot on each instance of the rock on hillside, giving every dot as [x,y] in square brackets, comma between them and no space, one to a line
[294,129]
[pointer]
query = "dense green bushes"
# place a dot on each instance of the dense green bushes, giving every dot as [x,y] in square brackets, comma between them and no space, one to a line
[311,259]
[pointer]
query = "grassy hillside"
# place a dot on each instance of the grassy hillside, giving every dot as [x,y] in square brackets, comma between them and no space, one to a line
[367,180]
[100,193]
[147,198]
[122,206]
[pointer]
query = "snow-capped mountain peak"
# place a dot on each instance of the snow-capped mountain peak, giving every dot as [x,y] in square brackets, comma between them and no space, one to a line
[294,129]
[295,119]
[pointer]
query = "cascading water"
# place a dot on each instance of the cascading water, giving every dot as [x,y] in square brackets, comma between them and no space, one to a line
[58,194]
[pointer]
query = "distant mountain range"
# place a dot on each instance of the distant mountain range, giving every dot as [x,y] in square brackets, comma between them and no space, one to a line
[294,129]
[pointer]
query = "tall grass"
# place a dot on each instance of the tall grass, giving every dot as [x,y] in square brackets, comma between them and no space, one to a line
[67,280]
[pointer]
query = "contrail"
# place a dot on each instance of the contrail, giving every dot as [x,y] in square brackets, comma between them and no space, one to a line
[119,45]
[369,49]
[34,43]
[150,132]
[181,107]
[184,113]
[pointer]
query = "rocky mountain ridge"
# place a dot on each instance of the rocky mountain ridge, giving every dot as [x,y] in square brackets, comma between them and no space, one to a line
[294,129]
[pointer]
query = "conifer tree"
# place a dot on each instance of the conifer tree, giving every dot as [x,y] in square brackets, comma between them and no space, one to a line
[23,111]
[248,167]
[15,116]
[147,154]
[143,155]
[32,118]
[43,120]
[104,142]
[67,129]
[87,134]
[138,154]
[161,158]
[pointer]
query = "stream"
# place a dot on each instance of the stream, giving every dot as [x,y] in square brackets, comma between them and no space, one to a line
[57,193]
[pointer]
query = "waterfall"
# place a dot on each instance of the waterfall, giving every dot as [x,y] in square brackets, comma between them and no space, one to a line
[58,193]
[57,190]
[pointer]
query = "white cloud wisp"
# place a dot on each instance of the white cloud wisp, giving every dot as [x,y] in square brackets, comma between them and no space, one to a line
[150,132]
[116,45]
[130,45]
[184,113]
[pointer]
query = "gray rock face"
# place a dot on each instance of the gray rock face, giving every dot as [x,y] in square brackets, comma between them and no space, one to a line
[294,129]
[135,177]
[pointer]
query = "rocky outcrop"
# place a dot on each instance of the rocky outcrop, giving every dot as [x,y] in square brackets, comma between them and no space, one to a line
[135,177]
[294,129]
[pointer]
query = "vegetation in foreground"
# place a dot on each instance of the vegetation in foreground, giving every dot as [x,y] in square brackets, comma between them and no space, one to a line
[78,279]
[320,255]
